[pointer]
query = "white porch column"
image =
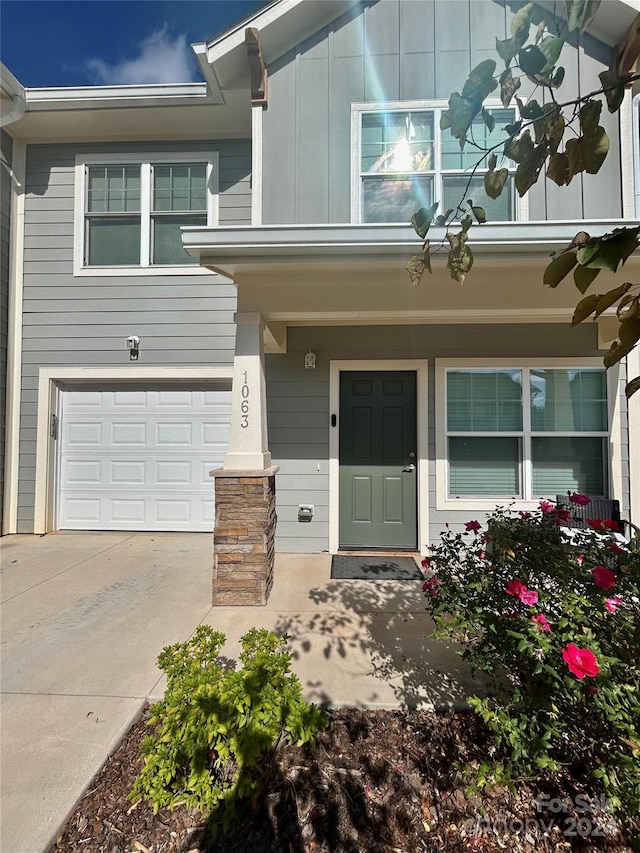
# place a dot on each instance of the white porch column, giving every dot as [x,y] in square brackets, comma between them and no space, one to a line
[248,443]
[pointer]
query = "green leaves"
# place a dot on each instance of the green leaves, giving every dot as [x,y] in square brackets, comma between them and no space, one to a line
[460,258]
[422,220]
[580,13]
[463,108]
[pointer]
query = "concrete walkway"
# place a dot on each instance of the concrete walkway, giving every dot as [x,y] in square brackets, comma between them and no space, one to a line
[85,615]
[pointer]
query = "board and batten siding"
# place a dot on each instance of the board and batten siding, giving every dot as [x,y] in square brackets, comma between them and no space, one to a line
[83,321]
[298,404]
[6,160]
[402,50]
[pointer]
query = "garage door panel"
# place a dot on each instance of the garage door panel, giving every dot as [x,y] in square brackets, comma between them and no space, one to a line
[140,460]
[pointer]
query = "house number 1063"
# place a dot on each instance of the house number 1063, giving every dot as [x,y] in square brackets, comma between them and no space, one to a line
[244,406]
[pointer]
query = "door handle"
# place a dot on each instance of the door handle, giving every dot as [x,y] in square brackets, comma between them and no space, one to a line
[409,469]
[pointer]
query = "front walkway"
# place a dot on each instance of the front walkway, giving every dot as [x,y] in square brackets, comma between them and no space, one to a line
[85,615]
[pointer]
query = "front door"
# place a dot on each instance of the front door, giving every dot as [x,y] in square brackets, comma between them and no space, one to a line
[378,459]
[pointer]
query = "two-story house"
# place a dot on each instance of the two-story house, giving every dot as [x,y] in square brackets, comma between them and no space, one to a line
[212,276]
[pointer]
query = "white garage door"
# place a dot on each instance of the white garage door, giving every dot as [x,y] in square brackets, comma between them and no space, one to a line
[140,459]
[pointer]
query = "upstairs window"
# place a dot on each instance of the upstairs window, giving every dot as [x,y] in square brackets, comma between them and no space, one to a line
[132,209]
[405,162]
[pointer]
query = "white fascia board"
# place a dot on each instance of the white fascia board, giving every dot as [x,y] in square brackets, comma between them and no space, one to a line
[225,42]
[200,51]
[244,243]
[105,97]
[10,84]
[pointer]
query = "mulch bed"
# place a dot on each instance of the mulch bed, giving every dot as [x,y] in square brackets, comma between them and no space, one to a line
[377,781]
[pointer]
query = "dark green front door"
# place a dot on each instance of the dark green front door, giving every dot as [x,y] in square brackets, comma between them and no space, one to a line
[378,459]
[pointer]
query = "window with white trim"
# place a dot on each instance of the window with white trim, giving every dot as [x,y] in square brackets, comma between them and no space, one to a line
[133,208]
[525,432]
[404,161]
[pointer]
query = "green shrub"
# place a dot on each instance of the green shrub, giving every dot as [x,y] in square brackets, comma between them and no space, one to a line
[216,727]
[555,624]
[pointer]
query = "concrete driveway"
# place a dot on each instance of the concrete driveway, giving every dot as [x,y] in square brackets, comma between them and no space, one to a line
[85,615]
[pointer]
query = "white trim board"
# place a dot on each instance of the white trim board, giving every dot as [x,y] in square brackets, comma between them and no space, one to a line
[49,379]
[421,367]
[445,503]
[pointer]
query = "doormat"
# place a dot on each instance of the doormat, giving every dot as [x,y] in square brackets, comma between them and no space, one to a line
[381,567]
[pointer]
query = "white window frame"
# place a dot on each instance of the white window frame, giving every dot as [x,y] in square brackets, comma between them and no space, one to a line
[446,502]
[146,161]
[521,205]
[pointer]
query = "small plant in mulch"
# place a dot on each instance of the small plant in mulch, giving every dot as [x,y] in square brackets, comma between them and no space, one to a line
[554,621]
[216,730]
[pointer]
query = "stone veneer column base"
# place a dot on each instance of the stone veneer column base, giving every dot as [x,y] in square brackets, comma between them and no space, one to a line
[244,536]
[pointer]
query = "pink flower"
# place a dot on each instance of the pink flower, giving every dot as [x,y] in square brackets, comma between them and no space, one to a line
[603,524]
[580,559]
[528,596]
[603,577]
[542,622]
[562,514]
[592,689]
[520,590]
[524,515]
[581,500]
[472,525]
[515,587]
[581,662]
[611,604]
[482,555]
[613,546]
[425,563]
[431,585]
[546,506]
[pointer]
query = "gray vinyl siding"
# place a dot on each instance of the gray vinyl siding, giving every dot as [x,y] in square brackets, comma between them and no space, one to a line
[402,50]
[298,404]
[6,149]
[83,321]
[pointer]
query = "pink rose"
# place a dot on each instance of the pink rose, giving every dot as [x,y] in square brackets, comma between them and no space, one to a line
[562,514]
[580,500]
[546,506]
[528,596]
[425,563]
[580,559]
[581,662]
[613,546]
[611,604]
[524,515]
[603,577]
[603,524]
[431,585]
[542,622]
[472,525]
[515,587]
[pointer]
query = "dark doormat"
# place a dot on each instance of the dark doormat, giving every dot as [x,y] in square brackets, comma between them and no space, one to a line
[380,567]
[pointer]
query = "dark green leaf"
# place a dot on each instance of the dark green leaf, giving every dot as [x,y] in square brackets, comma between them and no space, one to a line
[590,115]
[531,60]
[632,387]
[580,13]
[441,220]
[494,182]
[509,85]
[558,169]
[558,77]
[559,267]
[479,213]
[584,308]
[528,171]
[422,220]
[531,109]
[608,251]
[619,349]
[488,119]
[584,276]
[611,297]
[481,81]
[550,48]
[614,89]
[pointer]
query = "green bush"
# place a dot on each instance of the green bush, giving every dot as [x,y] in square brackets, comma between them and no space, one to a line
[216,727]
[555,624]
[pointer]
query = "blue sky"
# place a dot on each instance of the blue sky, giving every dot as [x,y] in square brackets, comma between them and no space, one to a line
[103,42]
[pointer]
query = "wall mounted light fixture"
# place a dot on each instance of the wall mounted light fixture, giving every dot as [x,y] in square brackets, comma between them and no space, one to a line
[133,345]
[310,361]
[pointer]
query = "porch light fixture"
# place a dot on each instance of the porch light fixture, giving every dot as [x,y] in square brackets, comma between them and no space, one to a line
[133,345]
[310,361]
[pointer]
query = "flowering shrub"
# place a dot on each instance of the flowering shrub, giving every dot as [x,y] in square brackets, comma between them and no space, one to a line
[553,620]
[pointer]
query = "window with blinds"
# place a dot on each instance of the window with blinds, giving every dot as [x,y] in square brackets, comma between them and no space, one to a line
[526,432]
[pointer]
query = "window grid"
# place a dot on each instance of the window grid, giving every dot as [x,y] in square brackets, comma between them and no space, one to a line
[438,173]
[145,214]
[527,434]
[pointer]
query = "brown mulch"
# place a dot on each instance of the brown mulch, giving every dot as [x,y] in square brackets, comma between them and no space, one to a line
[377,781]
